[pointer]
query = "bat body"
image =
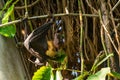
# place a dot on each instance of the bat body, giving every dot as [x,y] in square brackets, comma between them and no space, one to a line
[36,42]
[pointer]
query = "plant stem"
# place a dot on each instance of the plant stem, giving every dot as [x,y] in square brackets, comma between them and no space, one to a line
[81,37]
[26,15]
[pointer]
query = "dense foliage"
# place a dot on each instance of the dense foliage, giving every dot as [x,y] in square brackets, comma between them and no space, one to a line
[90,29]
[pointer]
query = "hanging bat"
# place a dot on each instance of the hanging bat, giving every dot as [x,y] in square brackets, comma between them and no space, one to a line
[36,42]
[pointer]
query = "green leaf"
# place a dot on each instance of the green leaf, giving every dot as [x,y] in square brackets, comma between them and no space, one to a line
[7,14]
[59,75]
[0,14]
[100,75]
[44,73]
[8,31]
[115,74]
[6,5]
[60,55]
[52,76]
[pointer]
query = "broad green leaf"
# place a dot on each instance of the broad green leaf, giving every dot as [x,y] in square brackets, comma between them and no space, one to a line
[8,31]
[59,75]
[100,75]
[44,73]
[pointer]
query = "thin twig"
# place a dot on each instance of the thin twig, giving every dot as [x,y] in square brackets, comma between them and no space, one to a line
[91,6]
[30,5]
[27,15]
[26,10]
[114,25]
[115,6]
[104,27]
[102,41]
[12,22]
[45,16]
[64,14]
[66,69]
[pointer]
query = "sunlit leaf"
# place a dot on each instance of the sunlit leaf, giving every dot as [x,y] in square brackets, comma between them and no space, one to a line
[8,31]
[59,75]
[7,14]
[52,76]
[44,73]
[6,5]
[100,75]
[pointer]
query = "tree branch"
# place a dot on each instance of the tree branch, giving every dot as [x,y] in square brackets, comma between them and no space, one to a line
[45,16]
